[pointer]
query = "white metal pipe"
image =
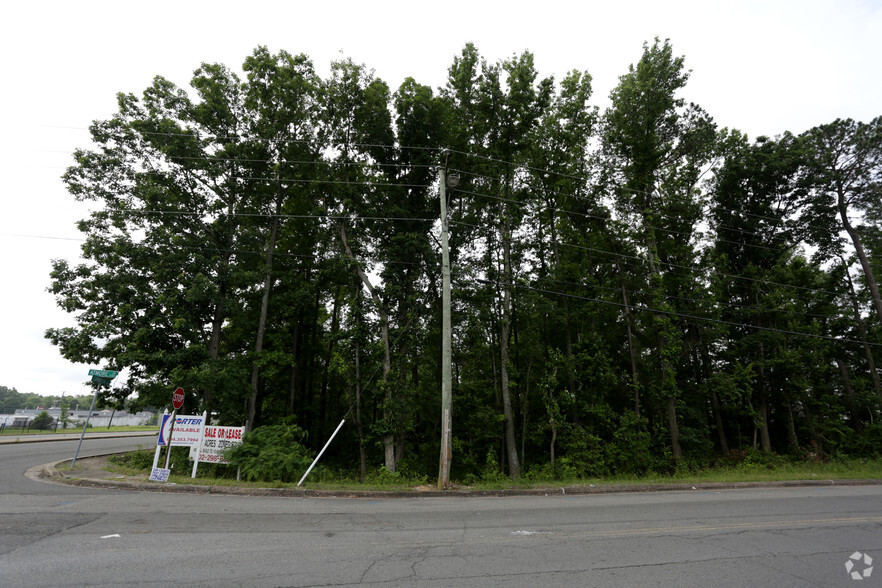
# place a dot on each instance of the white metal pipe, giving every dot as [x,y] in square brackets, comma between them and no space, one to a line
[321,452]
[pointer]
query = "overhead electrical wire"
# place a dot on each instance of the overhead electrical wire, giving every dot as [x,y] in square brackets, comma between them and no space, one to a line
[677,314]
[486,158]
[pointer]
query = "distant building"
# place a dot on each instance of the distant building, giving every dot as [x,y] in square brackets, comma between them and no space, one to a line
[100,418]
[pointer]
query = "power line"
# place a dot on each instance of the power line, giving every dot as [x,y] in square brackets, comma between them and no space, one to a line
[604,218]
[692,269]
[712,302]
[246,138]
[272,215]
[677,314]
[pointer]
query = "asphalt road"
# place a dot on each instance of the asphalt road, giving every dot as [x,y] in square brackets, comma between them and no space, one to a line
[52,535]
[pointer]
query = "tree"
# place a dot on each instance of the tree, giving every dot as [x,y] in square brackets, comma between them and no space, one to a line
[358,129]
[657,147]
[506,103]
[845,168]
[173,178]
[755,196]
[42,421]
[282,93]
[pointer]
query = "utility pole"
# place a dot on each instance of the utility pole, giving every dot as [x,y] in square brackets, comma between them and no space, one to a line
[446,378]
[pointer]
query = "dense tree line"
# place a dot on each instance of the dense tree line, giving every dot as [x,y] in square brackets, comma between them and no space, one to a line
[12,400]
[633,289]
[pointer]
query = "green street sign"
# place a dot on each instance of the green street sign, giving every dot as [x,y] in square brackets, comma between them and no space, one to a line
[103,374]
[101,381]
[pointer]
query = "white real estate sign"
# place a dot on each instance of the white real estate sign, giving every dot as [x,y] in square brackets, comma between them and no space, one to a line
[214,441]
[207,443]
[186,433]
[217,440]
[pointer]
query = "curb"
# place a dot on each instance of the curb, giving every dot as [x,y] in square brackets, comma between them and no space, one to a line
[49,473]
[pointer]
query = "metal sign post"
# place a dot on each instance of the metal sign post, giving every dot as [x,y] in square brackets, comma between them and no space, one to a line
[99,378]
[177,402]
[171,431]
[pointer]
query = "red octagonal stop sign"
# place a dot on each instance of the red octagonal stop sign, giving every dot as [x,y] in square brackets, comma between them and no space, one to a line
[178,398]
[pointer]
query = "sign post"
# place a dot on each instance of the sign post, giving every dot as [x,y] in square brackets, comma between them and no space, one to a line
[177,402]
[99,378]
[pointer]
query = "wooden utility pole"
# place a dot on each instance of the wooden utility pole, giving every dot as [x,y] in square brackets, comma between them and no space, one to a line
[446,378]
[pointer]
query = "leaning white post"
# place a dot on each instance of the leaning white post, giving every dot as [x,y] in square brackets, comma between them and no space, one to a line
[199,447]
[158,447]
[321,452]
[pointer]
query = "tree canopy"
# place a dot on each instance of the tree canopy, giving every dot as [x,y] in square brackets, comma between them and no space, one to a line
[633,289]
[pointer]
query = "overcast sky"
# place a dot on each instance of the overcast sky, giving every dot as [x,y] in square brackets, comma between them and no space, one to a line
[763,67]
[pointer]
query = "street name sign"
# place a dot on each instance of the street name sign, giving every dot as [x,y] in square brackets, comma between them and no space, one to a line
[104,373]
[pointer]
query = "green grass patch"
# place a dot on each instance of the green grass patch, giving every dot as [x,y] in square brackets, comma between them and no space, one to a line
[326,479]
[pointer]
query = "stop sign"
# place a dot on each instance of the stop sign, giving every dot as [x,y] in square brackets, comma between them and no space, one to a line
[178,398]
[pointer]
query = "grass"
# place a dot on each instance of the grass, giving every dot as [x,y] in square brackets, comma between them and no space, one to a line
[834,469]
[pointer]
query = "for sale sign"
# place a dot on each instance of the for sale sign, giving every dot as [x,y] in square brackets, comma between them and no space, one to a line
[217,440]
[188,429]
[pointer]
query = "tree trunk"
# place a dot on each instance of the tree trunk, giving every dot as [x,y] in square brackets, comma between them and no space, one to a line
[295,372]
[524,407]
[329,354]
[505,327]
[388,439]
[635,382]
[718,421]
[860,253]
[217,321]
[764,423]
[362,455]
[666,368]
[763,403]
[793,440]
[868,351]
[675,428]
[849,397]
[261,324]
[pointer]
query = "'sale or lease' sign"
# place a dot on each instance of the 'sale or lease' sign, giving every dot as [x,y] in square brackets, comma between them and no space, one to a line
[217,440]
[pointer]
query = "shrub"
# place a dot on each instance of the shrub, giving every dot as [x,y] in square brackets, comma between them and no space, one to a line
[142,459]
[492,472]
[272,453]
[42,421]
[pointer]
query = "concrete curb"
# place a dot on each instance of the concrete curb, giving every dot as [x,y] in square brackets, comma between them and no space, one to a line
[49,473]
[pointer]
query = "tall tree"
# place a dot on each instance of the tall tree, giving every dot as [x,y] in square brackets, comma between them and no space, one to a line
[358,127]
[658,146]
[845,167]
[168,176]
[281,92]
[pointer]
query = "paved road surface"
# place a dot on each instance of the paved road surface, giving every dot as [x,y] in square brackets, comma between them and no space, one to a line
[53,535]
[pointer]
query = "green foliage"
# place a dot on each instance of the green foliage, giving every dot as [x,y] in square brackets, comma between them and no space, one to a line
[272,453]
[400,477]
[267,238]
[141,460]
[42,421]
